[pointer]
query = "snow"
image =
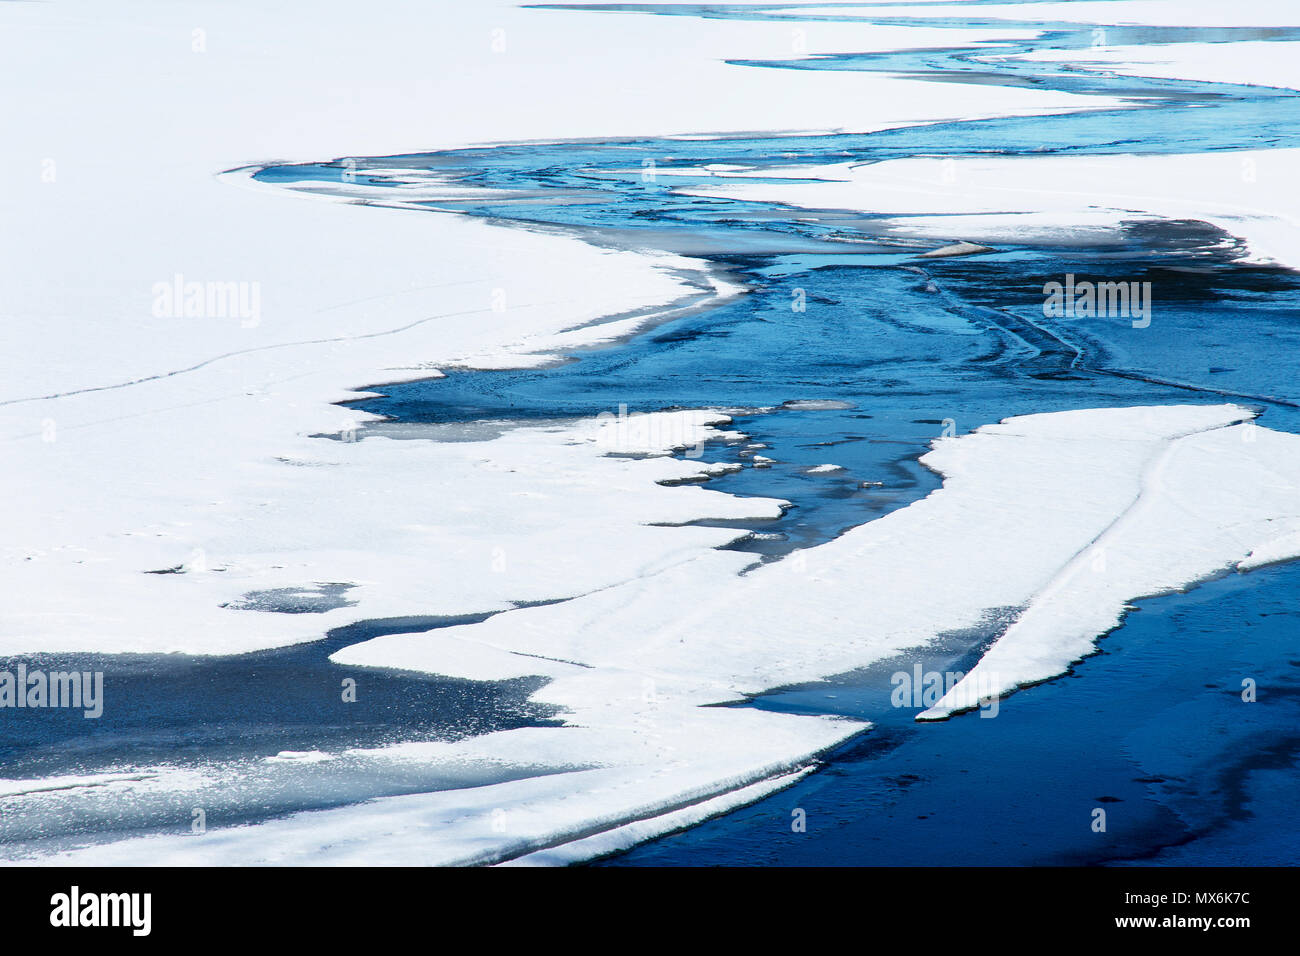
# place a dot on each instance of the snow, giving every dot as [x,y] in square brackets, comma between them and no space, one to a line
[1250,194]
[210,446]
[1057,199]
[413,527]
[1256,62]
[1172,12]
[513,819]
[956,249]
[300,756]
[621,838]
[140,442]
[996,535]
[1065,517]
[1209,503]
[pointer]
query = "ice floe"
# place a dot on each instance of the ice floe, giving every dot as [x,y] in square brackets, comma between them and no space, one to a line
[1062,517]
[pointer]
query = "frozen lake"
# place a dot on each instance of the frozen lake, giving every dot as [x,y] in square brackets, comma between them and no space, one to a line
[850,353]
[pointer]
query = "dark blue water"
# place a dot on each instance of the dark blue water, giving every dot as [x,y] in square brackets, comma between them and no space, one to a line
[178,707]
[220,718]
[906,364]
[1153,730]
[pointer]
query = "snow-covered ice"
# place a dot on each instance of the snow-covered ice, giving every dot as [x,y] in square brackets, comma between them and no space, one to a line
[1062,517]
[165,466]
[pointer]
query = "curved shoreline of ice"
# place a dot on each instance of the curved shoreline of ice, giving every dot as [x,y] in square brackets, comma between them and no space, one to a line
[213,475]
[1210,502]
[1140,484]
[1066,516]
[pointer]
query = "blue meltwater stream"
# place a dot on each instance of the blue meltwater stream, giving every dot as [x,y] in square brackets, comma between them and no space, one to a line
[849,350]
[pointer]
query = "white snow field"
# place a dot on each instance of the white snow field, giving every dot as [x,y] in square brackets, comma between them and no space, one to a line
[1251,195]
[138,439]
[139,442]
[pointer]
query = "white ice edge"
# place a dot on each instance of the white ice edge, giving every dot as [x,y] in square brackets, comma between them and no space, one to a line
[629,835]
[1065,516]
[1158,498]
[570,815]
[220,462]
[1057,199]
[232,469]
